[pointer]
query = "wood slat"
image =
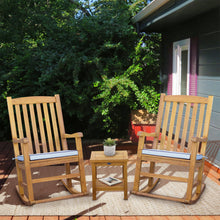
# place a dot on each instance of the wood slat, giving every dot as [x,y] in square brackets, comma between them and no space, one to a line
[51,218]
[201,119]
[144,217]
[19,122]
[12,124]
[185,127]
[178,125]
[96,217]
[171,125]
[175,217]
[35,217]
[6,217]
[20,218]
[64,217]
[128,218]
[60,122]
[186,99]
[165,122]
[159,120]
[33,100]
[192,126]
[41,127]
[54,124]
[34,128]
[112,217]
[46,179]
[160,196]
[51,199]
[27,127]
[87,218]
[173,178]
[48,127]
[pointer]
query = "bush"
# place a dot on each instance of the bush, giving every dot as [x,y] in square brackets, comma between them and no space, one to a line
[89,54]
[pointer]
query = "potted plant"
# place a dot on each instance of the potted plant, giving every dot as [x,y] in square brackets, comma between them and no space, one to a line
[143,117]
[109,147]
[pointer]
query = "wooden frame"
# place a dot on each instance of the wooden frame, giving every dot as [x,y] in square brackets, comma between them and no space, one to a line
[178,114]
[37,128]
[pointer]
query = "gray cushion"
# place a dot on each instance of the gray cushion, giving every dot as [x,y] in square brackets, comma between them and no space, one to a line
[50,155]
[172,154]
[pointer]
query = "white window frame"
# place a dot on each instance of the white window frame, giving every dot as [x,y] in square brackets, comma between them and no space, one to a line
[178,47]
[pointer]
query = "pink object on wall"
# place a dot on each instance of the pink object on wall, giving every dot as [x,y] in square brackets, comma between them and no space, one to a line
[193,66]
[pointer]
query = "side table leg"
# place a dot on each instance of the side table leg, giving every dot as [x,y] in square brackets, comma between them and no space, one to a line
[125,181]
[94,173]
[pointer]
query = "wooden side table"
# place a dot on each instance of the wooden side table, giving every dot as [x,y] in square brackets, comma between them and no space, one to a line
[99,159]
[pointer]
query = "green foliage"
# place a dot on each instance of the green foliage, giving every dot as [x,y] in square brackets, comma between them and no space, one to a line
[86,51]
[136,88]
[109,142]
[137,5]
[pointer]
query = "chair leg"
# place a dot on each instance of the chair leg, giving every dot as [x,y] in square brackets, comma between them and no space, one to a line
[29,184]
[151,182]
[82,176]
[151,179]
[20,180]
[137,176]
[29,200]
[200,186]
[199,179]
[190,185]
[68,181]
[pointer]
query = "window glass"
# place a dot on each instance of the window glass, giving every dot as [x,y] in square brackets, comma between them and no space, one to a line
[181,65]
[184,65]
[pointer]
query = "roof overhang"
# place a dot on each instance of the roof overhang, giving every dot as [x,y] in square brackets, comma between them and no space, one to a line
[161,14]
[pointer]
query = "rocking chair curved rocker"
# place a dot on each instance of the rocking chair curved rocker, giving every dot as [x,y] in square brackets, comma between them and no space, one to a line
[180,139]
[39,140]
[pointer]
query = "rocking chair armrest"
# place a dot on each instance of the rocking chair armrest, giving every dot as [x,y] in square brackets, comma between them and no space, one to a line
[143,133]
[21,141]
[199,139]
[74,135]
[24,148]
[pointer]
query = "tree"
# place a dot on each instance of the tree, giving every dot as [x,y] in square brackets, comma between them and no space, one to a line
[72,48]
[137,88]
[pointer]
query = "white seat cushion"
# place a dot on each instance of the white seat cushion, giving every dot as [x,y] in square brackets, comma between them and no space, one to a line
[50,155]
[172,154]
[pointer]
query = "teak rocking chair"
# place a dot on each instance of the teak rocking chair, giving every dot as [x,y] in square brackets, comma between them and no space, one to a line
[39,140]
[180,139]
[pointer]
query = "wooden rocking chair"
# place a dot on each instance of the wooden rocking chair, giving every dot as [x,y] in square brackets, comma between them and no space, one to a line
[39,140]
[180,139]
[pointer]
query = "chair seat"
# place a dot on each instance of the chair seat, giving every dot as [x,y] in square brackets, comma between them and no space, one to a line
[50,155]
[172,154]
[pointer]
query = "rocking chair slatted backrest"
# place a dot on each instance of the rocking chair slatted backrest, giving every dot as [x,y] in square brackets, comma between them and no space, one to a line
[180,139]
[39,119]
[39,140]
[179,119]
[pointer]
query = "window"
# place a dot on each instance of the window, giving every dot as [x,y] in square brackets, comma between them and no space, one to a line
[181,67]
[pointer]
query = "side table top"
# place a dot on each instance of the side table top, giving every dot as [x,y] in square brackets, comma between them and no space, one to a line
[99,156]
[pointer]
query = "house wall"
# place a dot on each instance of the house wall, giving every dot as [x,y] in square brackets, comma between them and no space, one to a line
[209,75]
[206,28]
